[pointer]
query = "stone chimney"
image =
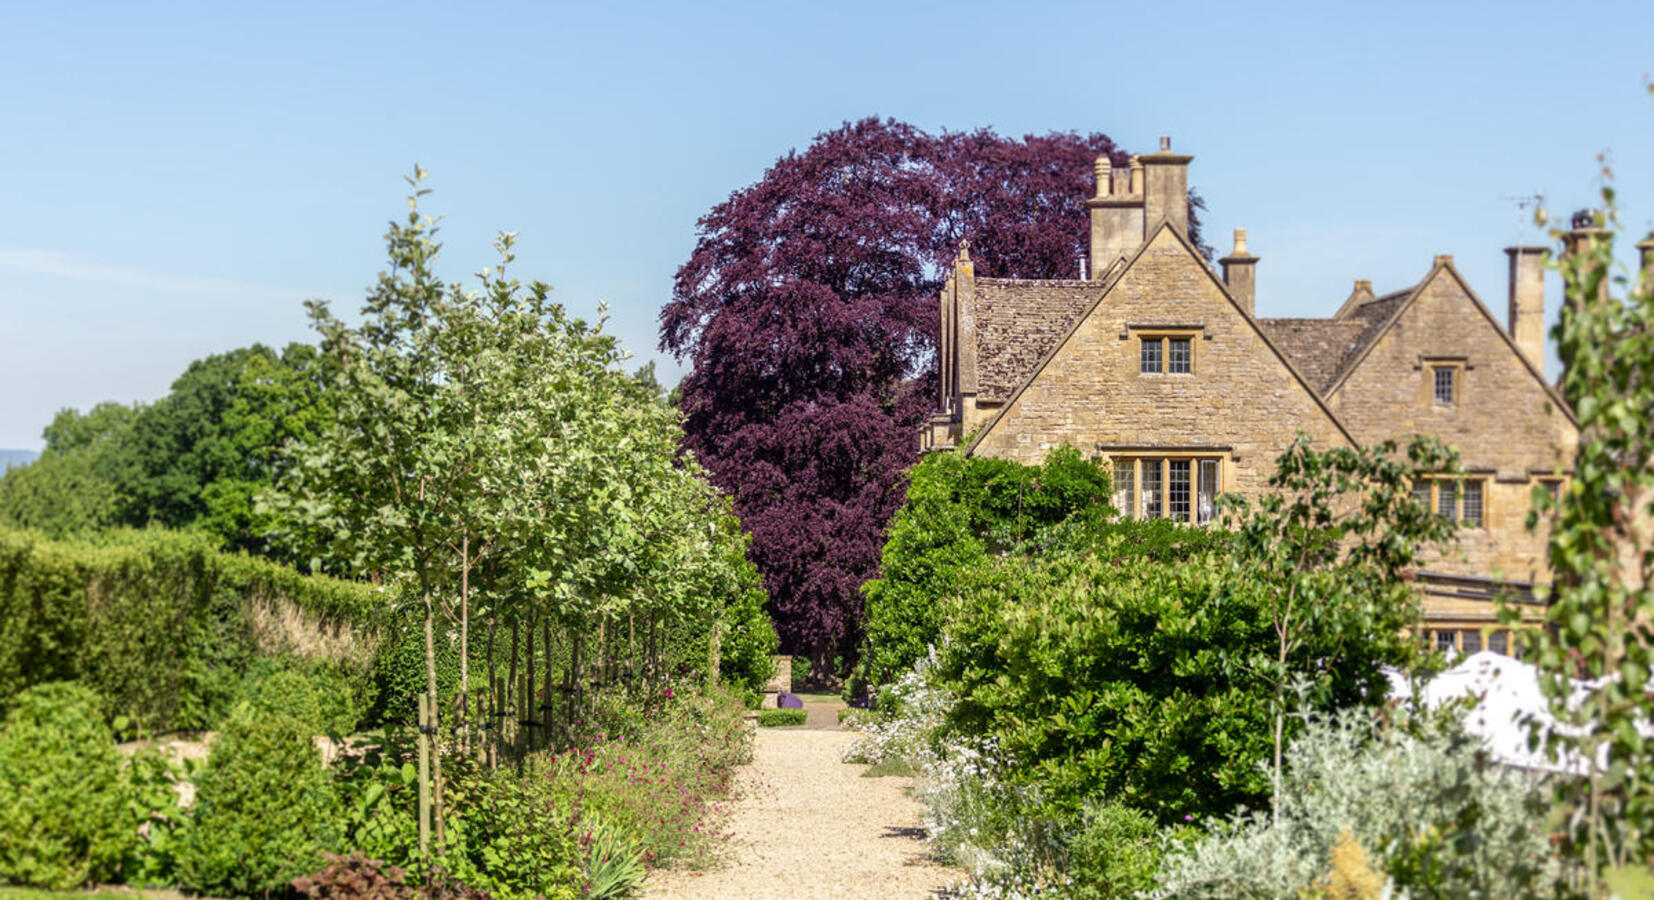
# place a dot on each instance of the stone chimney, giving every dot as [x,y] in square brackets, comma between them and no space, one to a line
[1116,215]
[1240,272]
[1645,249]
[964,335]
[1527,301]
[1166,189]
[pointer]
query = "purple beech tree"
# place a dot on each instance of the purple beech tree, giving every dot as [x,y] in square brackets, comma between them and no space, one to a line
[808,313]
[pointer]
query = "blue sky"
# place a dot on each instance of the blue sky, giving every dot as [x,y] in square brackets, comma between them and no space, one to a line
[176,179]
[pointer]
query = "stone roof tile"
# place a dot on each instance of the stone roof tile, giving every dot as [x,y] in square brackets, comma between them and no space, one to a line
[1018,322]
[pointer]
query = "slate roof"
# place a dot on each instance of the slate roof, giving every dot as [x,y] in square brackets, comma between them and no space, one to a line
[1018,322]
[1322,350]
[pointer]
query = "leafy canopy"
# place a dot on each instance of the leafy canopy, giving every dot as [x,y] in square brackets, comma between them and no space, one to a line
[807,312]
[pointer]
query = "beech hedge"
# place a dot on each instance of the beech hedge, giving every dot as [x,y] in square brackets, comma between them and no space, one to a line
[164,626]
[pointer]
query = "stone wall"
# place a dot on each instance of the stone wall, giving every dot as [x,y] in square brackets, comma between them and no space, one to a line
[1240,401]
[1504,423]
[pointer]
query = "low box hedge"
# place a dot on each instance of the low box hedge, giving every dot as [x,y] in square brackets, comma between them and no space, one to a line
[770,718]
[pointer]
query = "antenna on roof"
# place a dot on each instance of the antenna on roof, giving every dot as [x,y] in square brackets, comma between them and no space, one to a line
[1525,207]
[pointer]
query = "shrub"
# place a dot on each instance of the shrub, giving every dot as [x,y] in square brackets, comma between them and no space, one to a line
[316,692]
[773,717]
[265,809]
[356,877]
[161,816]
[65,819]
[1113,852]
[959,511]
[800,671]
[1440,819]
[508,834]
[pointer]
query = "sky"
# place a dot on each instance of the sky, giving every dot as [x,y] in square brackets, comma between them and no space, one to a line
[176,179]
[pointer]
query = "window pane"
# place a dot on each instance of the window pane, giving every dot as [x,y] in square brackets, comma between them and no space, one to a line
[1498,643]
[1151,488]
[1473,504]
[1447,499]
[1177,490]
[1206,498]
[1444,385]
[1125,487]
[1444,641]
[1177,355]
[1421,493]
[1470,641]
[1151,354]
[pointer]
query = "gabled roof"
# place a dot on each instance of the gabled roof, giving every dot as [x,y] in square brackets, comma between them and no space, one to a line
[1318,347]
[1117,274]
[1325,349]
[1383,313]
[1018,322]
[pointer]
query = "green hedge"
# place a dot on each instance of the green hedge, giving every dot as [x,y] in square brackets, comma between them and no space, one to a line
[772,717]
[164,626]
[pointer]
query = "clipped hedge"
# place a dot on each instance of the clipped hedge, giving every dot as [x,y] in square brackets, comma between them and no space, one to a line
[163,625]
[770,718]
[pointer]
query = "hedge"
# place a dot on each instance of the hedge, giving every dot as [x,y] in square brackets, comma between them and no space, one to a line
[772,717]
[163,625]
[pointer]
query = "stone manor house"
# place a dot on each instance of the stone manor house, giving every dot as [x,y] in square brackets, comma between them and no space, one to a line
[1163,367]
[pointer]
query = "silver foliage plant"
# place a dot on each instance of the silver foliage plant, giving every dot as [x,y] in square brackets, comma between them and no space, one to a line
[1431,810]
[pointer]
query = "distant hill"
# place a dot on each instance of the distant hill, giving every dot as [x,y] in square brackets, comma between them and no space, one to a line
[9,458]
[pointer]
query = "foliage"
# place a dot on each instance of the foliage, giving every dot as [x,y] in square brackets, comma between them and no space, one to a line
[265,809]
[65,820]
[1601,614]
[772,717]
[1096,678]
[661,778]
[163,626]
[808,308]
[958,511]
[317,693]
[199,455]
[1440,820]
[800,670]
[1114,852]
[614,865]
[1324,555]
[509,836]
[355,877]
[70,489]
[160,814]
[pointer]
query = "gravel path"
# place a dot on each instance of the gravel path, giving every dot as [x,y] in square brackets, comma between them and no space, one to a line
[809,826]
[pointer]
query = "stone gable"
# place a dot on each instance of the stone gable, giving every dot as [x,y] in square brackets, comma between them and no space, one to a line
[1241,398]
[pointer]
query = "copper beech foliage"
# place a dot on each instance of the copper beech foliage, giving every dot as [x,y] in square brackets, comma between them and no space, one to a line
[808,315]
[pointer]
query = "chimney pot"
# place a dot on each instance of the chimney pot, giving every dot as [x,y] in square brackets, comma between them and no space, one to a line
[1240,274]
[1363,284]
[1444,259]
[1165,143]
[1645,249]
[1105,174]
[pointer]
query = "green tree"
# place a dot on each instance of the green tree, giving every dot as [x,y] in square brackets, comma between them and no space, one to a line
[71,488]
[1600,618]
[1325,555]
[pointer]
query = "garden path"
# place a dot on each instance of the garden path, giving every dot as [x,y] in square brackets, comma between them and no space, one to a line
[809,826]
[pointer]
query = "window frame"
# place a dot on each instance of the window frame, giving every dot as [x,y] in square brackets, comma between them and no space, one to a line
[1455,370]
[1458,488]
[1163,338]
[1129,469]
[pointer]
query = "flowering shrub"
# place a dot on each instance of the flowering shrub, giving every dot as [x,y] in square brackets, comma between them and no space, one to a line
[664,783]
[1440,820]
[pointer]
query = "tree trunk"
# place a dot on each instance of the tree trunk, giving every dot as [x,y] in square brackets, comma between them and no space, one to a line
[430,683]
[531,704]
[462,702]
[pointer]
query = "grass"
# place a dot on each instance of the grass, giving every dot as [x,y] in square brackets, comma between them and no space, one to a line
[890,768]
[111,892]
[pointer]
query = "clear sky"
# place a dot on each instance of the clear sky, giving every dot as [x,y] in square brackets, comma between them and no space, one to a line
[175,179]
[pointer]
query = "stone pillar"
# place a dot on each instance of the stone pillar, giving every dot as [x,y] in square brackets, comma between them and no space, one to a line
[1527,301]
[1240,272]
[1166,189]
